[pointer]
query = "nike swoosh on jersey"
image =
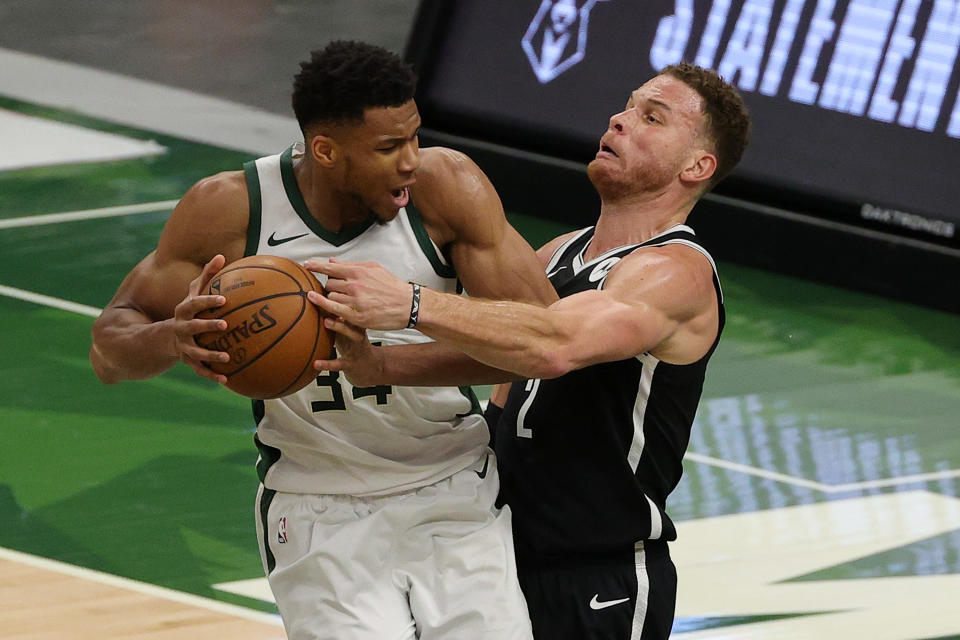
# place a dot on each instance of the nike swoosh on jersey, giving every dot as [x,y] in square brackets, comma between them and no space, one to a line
[596,605]
[273,240]
[483,472]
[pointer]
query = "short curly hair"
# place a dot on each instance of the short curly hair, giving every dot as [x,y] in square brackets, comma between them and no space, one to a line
[345,78]
[727,118]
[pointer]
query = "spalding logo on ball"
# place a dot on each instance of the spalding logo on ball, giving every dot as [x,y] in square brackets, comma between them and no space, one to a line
[273,332]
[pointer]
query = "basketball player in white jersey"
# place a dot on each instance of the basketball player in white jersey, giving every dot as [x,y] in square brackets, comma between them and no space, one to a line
[591,444]
[376,514]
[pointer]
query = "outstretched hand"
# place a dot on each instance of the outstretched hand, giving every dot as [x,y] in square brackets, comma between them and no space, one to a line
[363,294]
[186,326]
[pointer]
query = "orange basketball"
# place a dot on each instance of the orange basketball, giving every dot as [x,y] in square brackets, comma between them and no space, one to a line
[273,332]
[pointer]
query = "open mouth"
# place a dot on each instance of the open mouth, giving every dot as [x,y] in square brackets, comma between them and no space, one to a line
[607,149]
[401,197]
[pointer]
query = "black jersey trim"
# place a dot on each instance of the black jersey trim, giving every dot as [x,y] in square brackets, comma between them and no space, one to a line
[256,207]
[475,408]
[441,268]
[266,497]
[336,238]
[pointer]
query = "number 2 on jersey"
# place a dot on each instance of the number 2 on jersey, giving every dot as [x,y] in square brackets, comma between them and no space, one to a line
[531,387]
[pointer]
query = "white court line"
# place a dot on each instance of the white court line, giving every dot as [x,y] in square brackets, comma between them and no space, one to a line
[88,214]
[754,471]
[49,301]
[140,587]
[819,486]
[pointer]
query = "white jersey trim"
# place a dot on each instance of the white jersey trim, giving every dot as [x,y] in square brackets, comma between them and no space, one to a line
[656,521]
[643,592]
[555,258]
[648,365]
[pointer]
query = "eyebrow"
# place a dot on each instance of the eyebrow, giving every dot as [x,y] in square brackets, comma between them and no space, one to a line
[393,139]
[659,103]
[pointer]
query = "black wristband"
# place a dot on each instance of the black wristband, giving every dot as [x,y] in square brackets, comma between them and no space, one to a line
[414,306]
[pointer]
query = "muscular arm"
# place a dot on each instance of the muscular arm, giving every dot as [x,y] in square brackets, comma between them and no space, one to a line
[659,300]
[464,217]
[149,324]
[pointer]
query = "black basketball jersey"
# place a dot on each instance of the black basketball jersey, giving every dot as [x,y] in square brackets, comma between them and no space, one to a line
[588,459]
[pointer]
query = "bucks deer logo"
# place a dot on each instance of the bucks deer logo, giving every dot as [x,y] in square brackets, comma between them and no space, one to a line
[557,37]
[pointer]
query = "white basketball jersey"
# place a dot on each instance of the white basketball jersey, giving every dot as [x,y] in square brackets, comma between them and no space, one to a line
[331,437]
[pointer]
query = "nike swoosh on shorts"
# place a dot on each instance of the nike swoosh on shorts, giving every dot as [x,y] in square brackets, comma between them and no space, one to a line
[596,605]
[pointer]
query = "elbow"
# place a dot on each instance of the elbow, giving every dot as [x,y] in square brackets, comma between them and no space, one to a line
[103,371]
[106,373]
[548,362]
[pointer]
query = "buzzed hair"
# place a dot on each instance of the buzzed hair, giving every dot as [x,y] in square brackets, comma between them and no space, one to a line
[345,78]
[727,118]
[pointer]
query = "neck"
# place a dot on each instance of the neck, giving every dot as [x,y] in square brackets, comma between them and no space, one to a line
[334,211]
[636,219]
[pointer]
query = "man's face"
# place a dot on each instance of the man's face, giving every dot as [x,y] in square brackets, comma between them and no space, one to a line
[379,158]
[649,143]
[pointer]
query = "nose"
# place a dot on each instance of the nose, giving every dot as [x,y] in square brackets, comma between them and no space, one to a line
[617,121]
[409,156]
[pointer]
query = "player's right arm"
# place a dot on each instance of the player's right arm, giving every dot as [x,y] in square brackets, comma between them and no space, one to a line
[150,323]
[426,364]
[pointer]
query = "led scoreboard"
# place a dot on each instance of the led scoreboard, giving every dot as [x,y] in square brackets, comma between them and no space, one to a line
[855,104]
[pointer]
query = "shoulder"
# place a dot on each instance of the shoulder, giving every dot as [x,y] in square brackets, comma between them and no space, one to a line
[441,166]
[211,218]
[447,177]
[677,278]
[453,195]
[226,190]
[545,253]
[551,246]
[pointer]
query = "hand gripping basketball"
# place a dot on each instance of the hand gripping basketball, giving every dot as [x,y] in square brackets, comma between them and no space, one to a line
[273,334]
[186,325]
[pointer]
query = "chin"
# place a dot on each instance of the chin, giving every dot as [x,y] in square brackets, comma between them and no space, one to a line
[601,179]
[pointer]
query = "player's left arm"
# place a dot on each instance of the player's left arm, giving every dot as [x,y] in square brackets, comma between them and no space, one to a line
[464,216]
[659,300]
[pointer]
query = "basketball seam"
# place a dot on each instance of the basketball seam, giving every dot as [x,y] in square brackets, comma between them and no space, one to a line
[263,352]
[302,293]
[313,351]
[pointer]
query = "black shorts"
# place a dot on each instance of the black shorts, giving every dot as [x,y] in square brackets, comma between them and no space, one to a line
[624,597]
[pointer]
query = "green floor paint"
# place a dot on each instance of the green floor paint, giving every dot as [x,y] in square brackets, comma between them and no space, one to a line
[151,480]
[935,556]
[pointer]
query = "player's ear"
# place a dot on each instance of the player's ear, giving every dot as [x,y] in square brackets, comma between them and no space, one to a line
[700,168]
[324,149]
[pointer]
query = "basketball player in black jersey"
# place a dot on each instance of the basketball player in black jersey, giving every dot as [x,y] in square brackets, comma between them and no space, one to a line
[590,443]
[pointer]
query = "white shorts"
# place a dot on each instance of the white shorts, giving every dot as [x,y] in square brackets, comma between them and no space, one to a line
[436,563]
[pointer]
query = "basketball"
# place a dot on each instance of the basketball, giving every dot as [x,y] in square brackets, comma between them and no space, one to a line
[273,332]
